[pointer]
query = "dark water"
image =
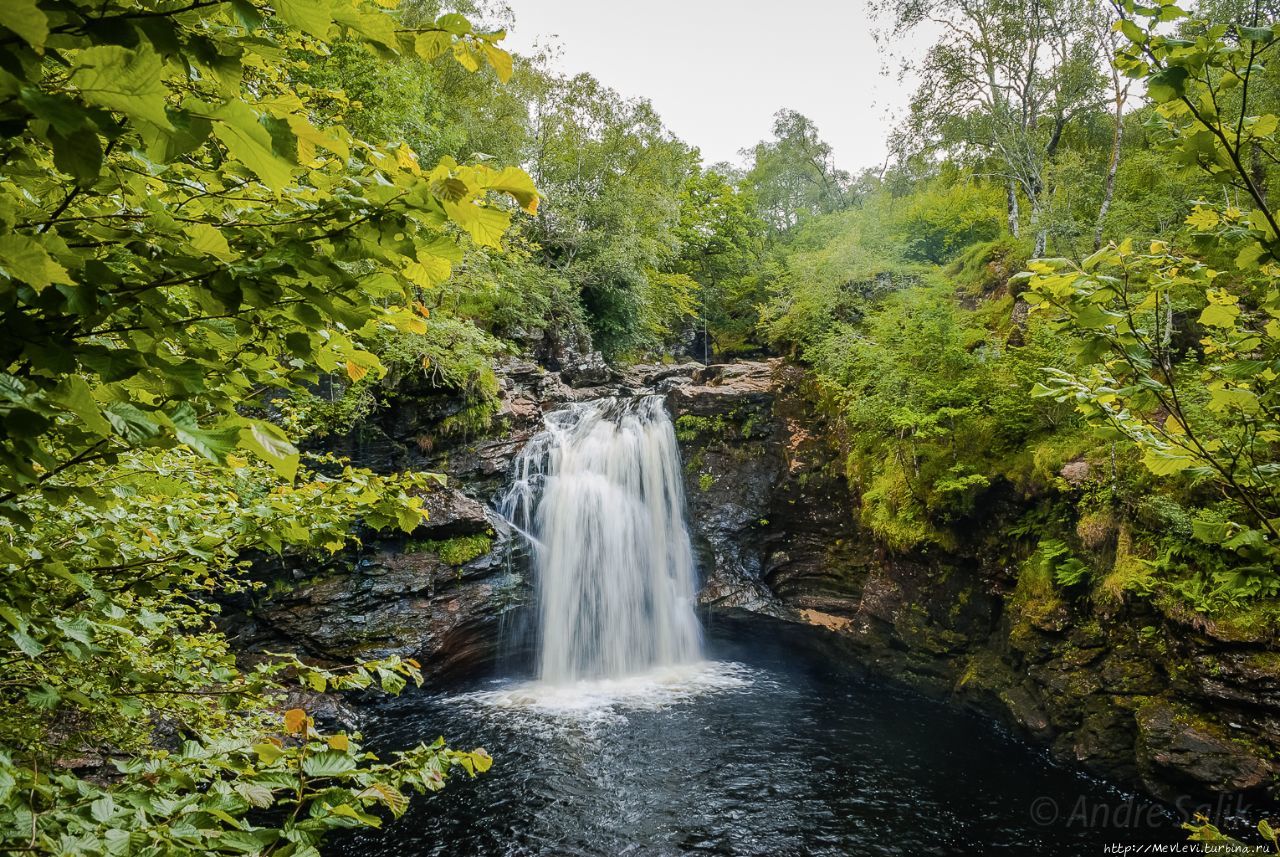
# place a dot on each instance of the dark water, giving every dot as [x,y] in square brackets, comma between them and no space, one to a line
[779,753]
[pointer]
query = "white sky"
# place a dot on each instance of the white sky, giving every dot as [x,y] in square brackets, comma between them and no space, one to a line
[717,70]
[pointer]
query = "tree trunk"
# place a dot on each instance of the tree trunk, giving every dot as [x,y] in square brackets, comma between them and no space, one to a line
[1011,198]
[1037,223]
[1109,189]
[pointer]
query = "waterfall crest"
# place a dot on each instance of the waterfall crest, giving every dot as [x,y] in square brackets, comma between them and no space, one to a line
[598,494]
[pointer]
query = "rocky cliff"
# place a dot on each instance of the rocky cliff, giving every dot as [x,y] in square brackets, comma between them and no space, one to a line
[1160,698]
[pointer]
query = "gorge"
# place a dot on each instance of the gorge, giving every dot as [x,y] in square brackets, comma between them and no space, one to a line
[411,445]
[585,508]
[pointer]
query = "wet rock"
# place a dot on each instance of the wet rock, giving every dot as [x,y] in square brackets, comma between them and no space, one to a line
[395,601]
[572,355]
[1178,746]
[331,711]
[588,371]
[451,513]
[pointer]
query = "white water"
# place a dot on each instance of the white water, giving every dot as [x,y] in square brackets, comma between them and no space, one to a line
[598,494]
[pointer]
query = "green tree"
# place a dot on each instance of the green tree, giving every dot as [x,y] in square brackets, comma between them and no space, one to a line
[722,242]
[794,174]
[1003,87]
[612,176]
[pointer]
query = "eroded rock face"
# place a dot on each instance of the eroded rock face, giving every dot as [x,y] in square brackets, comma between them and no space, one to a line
[399,598]
[1164,701]
[441,594]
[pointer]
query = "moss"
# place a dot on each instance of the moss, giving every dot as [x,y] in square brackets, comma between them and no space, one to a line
[705,481]
[690,427]
[743,423]
[986,266]
[1035,605]
[1129,572]
[474,419]
[457,551]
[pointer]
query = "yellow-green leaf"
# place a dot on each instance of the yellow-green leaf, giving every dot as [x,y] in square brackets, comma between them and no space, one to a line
[1220,315]
[313,17]
[517,183]
[431,45]
[73,393]
[271,444]
[1163,463]
[499,59]
[210,241]
[486,225]
[124,80]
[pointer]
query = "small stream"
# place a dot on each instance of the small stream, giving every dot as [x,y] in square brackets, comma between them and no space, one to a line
[768,747]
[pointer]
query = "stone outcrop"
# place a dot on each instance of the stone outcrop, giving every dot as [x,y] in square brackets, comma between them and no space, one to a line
[1164,701]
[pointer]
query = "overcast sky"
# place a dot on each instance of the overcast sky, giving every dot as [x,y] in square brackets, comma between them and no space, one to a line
[717,70]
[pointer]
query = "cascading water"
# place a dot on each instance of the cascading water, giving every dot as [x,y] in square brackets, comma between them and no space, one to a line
[598,494]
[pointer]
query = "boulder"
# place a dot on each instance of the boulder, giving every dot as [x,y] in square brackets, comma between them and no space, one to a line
[451,513]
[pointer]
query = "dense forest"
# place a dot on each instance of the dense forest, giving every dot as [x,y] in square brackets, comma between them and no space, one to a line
[228,228]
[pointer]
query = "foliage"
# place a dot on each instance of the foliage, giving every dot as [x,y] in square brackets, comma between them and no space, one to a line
[312,782]
[794,175]
[1003,89]
[186,242]
[612,175]
[722,244]
[938,221]
[1179,357]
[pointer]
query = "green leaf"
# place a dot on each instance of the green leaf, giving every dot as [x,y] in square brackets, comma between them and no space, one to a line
[454,23]
[517,183]
[237,126]
[26,643]
[313,17]
[1220,315]
[485,225]
[1262,35]
[213,445]
[1132,31]
[73,394]
[23,259]
[103,808]
[124,80]
[210,241]
[79,155]
[499,59]
[45,696]
[1167,84]
[26,20]
[346,811]
[374,26]
[1164,463]
[256,794]
[328,763]
[131,423]
[267,753]
[432,45]
[272,445]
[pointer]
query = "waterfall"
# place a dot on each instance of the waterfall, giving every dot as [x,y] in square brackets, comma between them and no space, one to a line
[599,497]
